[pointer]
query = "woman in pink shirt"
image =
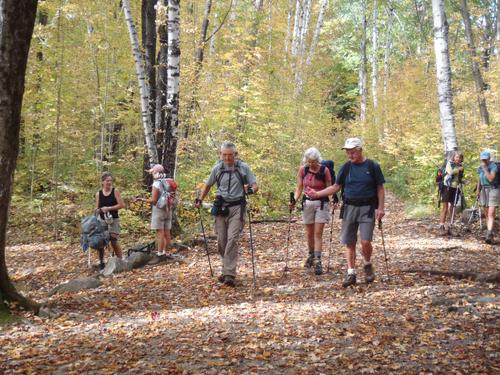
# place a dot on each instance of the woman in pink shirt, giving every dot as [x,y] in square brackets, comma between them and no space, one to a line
[315,213]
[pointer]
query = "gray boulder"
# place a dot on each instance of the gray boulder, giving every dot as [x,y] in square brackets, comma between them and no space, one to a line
[77,285]
[116,265]
[139,259]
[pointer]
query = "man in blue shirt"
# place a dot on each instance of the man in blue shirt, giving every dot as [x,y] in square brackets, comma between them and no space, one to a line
[488,191]
[363,197]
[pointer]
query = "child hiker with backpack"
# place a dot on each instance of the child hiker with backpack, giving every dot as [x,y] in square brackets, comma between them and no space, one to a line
[488,190]
[450,188]
[315,212]
[107,203]
[162,200]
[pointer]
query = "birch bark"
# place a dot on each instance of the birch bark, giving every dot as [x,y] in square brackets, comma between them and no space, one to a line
[143,85]
[375,55]
[288,29]
[363,92]
[173,75]
[388,46]
[443,74]
[317,31]
[476,72]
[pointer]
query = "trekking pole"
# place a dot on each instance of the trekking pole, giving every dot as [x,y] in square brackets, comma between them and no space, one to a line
[383,246]
[455,201]
[290,209]
[205,239]
[251,238]
[331,240]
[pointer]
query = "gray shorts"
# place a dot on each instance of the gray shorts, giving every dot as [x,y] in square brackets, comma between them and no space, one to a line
[314,214]
[354,218]
[490,197]
[161,219]
[114,228]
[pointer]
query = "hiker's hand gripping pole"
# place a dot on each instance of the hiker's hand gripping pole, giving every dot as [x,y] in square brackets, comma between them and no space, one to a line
[383,246]
[198,205]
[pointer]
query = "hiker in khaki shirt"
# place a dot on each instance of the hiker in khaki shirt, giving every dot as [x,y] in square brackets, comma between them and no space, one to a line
[234,180]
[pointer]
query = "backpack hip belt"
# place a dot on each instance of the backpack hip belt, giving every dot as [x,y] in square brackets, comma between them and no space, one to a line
[323,200]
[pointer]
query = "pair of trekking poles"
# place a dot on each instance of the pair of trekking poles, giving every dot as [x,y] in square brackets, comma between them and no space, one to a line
[251,242]
[292,204]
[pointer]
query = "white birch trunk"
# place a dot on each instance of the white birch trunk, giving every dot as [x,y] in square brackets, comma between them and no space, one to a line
[388,46]
[362,65]
[443,73]
[305,27]
[234,13]
[288,29]
[213,39]
[173,75]
[317,31]
[296,27]
[375,55]
[143,85]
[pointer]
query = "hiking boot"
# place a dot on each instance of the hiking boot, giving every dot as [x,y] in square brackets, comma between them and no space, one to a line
[489,237]
[442,230]
[369,275]
[309,261]
[229,281]
[318,268]
[349,280]
[220,279]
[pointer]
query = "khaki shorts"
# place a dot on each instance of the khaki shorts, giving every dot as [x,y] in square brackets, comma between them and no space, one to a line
[490,197]
[314,214]
[161,219]
[114,228]
[356,218]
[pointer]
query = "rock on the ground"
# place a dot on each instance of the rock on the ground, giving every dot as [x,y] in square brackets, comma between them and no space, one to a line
[116,265]
[48,312]
[139,259]
[77,285]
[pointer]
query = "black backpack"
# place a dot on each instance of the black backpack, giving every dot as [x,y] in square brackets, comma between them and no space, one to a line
[496,181]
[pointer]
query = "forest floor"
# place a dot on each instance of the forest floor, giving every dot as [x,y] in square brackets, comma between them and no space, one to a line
[176,318]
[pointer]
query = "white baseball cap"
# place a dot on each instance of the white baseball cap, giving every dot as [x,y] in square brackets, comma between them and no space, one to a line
[352,143]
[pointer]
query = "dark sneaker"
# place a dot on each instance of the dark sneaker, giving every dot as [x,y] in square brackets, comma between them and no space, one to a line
[220,279]
[102,266]
[309,261]
[369,275]
[349,280]
[318,268]
[229,281]
[489,237]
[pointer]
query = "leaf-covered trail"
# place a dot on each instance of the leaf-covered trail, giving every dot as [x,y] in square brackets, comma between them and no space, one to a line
[176,318]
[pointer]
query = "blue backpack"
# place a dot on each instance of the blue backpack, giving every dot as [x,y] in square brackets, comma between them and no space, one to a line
[95,233]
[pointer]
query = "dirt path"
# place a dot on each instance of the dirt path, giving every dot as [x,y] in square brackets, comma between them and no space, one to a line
[177,319]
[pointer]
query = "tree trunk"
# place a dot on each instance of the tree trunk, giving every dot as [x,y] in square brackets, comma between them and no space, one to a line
[297,27]
[143,85]
[317,31]
[443,73]
[59,79]
[149,46]
[173,75]
[161,82]
[363,92]
[388,46]
[476,72]
[288,29]
[375,56]
[17,19]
